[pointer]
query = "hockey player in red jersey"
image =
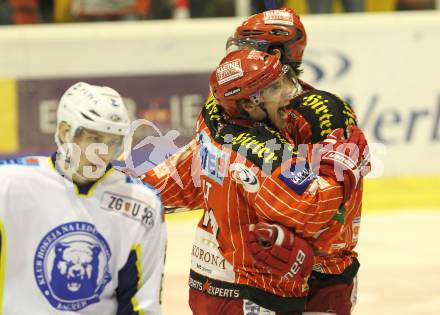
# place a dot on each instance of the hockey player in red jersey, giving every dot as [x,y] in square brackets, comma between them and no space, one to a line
[255,192]
[309,118]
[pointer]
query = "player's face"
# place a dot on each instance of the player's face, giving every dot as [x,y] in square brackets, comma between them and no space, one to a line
[276,97]
[98,149]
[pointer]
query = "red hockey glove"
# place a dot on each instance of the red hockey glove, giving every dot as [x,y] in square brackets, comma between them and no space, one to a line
[279,250]
[345,160]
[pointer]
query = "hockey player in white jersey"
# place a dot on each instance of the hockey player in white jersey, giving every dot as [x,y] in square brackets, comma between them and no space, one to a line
[76,235]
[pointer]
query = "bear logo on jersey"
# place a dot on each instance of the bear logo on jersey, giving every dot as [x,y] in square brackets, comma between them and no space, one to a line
[75,269]
[71,266]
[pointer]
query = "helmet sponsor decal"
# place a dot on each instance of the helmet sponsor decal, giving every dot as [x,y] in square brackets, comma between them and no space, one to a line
[229,71]
[232,91]
[278,17]
[256,55]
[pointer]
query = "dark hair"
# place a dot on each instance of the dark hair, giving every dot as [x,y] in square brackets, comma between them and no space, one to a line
[296,66]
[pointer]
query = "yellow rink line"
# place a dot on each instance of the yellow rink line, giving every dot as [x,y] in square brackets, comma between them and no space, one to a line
[383,194]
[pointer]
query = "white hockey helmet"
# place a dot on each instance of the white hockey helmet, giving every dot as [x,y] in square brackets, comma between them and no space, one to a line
[92,107]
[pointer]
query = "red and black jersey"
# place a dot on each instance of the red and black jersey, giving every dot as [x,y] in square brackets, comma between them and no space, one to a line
[241,175]
[316,113]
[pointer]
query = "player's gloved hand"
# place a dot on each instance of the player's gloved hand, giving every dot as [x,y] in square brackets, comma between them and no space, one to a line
[345,160]
[279,250]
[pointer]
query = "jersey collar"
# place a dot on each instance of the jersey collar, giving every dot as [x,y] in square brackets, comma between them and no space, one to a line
[83,190]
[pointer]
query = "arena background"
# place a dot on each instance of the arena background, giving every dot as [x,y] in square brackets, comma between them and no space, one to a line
[385,64]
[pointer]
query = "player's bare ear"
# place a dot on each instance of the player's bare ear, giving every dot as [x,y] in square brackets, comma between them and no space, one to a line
[63,130]
[277,52]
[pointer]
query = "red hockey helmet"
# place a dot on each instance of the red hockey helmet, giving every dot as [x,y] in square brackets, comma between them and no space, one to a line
[241,75]
[274,29]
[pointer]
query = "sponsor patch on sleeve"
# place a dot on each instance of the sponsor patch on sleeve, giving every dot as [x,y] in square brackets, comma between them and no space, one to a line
[298,177]
[355,226]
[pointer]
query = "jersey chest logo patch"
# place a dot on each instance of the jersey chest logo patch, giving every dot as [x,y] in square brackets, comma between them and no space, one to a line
[244,176]
[71,266]
[213,161]
[130,207]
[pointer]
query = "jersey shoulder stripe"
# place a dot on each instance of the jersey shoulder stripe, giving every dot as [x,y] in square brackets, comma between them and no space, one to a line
[23,161]
[18,169]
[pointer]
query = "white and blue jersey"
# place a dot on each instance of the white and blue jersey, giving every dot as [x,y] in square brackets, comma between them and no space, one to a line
[66,249]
